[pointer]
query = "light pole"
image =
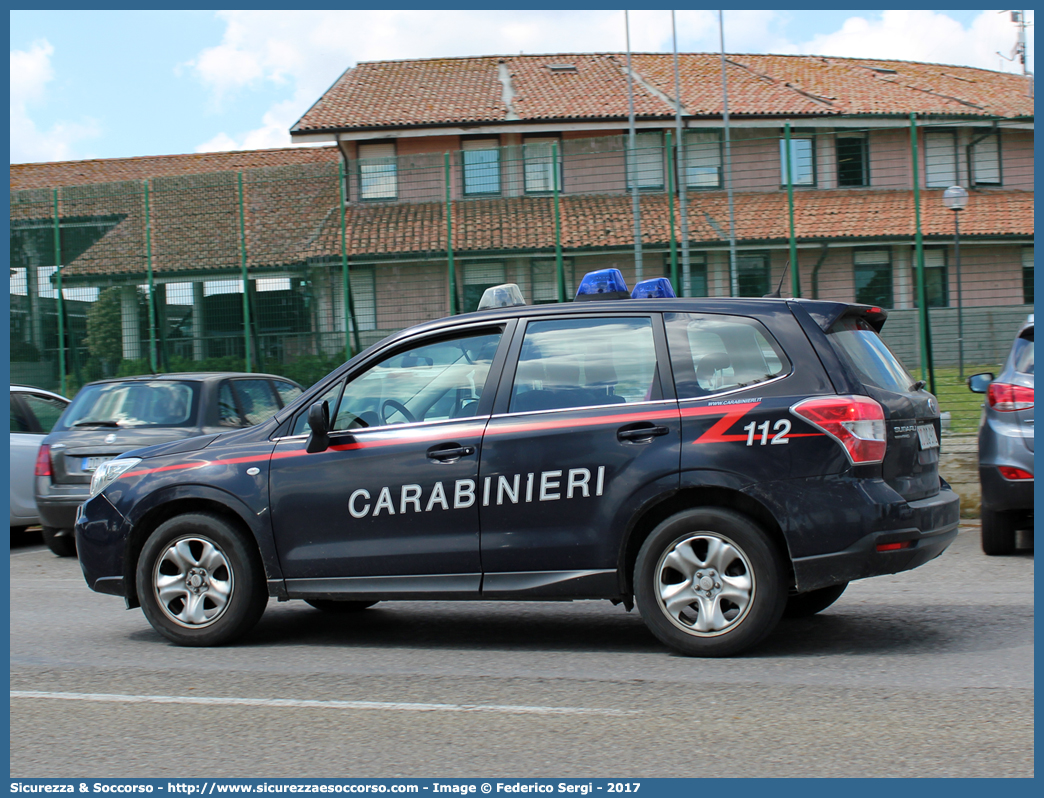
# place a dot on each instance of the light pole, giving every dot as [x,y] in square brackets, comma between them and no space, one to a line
[955,198]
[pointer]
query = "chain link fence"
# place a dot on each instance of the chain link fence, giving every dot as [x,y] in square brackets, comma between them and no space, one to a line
[291,269]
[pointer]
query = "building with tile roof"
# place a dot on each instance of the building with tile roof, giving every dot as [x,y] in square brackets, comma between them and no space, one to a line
[514,167]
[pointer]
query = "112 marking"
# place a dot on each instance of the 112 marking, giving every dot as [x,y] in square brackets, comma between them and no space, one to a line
[782,428]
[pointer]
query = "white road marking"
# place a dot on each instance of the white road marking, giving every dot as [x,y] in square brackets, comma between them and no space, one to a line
[294,703]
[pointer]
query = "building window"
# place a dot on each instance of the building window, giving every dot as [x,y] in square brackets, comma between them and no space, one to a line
[752,274]
[544,280]
[940,158]
[481,159]
[853,161]
[702,159]
[645,164]
[1027,275]
[936,282]
[984,159]
[477,278]
[873,277]
[537,154]
[377,171]
[802,160]
[697,274]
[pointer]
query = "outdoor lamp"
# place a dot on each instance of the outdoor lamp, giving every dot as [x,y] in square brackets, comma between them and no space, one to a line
[955,198]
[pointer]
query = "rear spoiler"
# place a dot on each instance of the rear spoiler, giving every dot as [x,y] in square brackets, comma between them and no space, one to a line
[826,314]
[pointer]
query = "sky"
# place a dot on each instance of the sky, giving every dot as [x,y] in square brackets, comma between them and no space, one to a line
[115,84]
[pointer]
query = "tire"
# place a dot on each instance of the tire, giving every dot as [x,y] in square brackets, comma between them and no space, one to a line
[998,532]
[805,605]
[741,608]
[338,607]
[60,541]
[211,577]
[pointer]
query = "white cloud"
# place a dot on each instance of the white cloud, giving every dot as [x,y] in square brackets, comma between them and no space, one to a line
[923,36]
[31,71]
[307,50]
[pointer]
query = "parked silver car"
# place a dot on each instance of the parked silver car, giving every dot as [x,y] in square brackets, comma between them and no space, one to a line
[1006,446]
[34,412]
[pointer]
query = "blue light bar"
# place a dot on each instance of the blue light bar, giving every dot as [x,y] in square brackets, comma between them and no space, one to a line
[655,288]
[602,284]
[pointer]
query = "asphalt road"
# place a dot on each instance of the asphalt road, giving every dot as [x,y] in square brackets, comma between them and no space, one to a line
[928,673]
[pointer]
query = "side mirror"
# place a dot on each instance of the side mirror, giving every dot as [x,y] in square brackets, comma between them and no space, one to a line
[319,423]
[979,383]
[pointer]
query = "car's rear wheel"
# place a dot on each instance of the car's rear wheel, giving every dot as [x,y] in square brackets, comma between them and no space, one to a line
[709,583]
[60,541]
[200,580]
[339,607]
[804,605]
[998,532]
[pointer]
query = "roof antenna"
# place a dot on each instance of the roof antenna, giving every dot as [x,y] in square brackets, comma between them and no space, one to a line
[775,294]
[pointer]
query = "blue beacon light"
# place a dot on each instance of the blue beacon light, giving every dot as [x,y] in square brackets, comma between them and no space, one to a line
[655,288]
[602,284]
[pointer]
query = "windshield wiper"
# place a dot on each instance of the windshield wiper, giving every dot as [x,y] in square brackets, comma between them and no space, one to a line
[96,424]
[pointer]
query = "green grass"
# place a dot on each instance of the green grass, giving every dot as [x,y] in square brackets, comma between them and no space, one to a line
[953,395]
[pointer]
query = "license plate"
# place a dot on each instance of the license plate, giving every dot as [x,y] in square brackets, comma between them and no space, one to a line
[926,434]
[92,463]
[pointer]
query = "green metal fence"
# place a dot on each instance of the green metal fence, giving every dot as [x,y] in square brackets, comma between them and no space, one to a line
[292,269]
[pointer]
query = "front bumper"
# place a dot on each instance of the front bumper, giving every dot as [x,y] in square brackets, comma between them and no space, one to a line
[932,528]
[101,545]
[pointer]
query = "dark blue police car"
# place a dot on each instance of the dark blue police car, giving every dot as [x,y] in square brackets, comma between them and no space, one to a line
[720,462]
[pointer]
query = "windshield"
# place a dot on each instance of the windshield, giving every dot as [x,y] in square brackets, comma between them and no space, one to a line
[859,344]
[156,403]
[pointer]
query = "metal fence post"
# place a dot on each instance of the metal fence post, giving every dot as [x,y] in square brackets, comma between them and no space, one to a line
[927,369]
[559,266]
[246,280]
[670,215]
[152,285]
[795,282]
[61,298]
[449,240]
[350,326]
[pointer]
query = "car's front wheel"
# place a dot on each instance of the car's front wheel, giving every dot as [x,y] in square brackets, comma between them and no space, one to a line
[998,532]
[59,541]
[709,583]
[200,580]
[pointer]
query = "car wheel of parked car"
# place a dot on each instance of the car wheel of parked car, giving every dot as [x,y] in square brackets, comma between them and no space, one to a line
[60,541]
[709,583]
[805,605]
[340,607]
[200,581]
[998,532]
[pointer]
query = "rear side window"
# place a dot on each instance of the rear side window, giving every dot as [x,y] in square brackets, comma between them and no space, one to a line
[585,363]
[1024,353]
[861,347]
[712,353]
[257,400]
[47,409]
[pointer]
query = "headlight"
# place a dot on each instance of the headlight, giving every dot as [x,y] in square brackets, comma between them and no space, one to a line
[107,473]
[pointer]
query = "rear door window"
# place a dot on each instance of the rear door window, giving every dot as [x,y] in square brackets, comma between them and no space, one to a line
[257,400]
[861,347]
[713,353]
[1024,353]
[46,409]
[571,363]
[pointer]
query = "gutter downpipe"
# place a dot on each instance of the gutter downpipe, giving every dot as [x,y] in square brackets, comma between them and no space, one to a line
[733,274]
[632,166]
[683,198]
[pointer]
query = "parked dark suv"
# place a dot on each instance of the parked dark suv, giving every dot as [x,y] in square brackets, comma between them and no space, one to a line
[716,461]
[1006,446]
[110,417]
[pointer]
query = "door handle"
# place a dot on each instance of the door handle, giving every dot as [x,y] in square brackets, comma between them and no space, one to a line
[644,433]
[453,452]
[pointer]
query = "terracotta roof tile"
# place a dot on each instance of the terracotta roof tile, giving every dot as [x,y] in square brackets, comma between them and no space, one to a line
[393,94]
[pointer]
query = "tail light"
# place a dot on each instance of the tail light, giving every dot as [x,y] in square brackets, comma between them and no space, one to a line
[1010,472]
[43,461]
[856,422]
[1005,397]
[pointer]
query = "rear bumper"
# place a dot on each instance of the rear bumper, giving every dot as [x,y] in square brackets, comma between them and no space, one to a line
[1002,494]
[931,527]
[60,511]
